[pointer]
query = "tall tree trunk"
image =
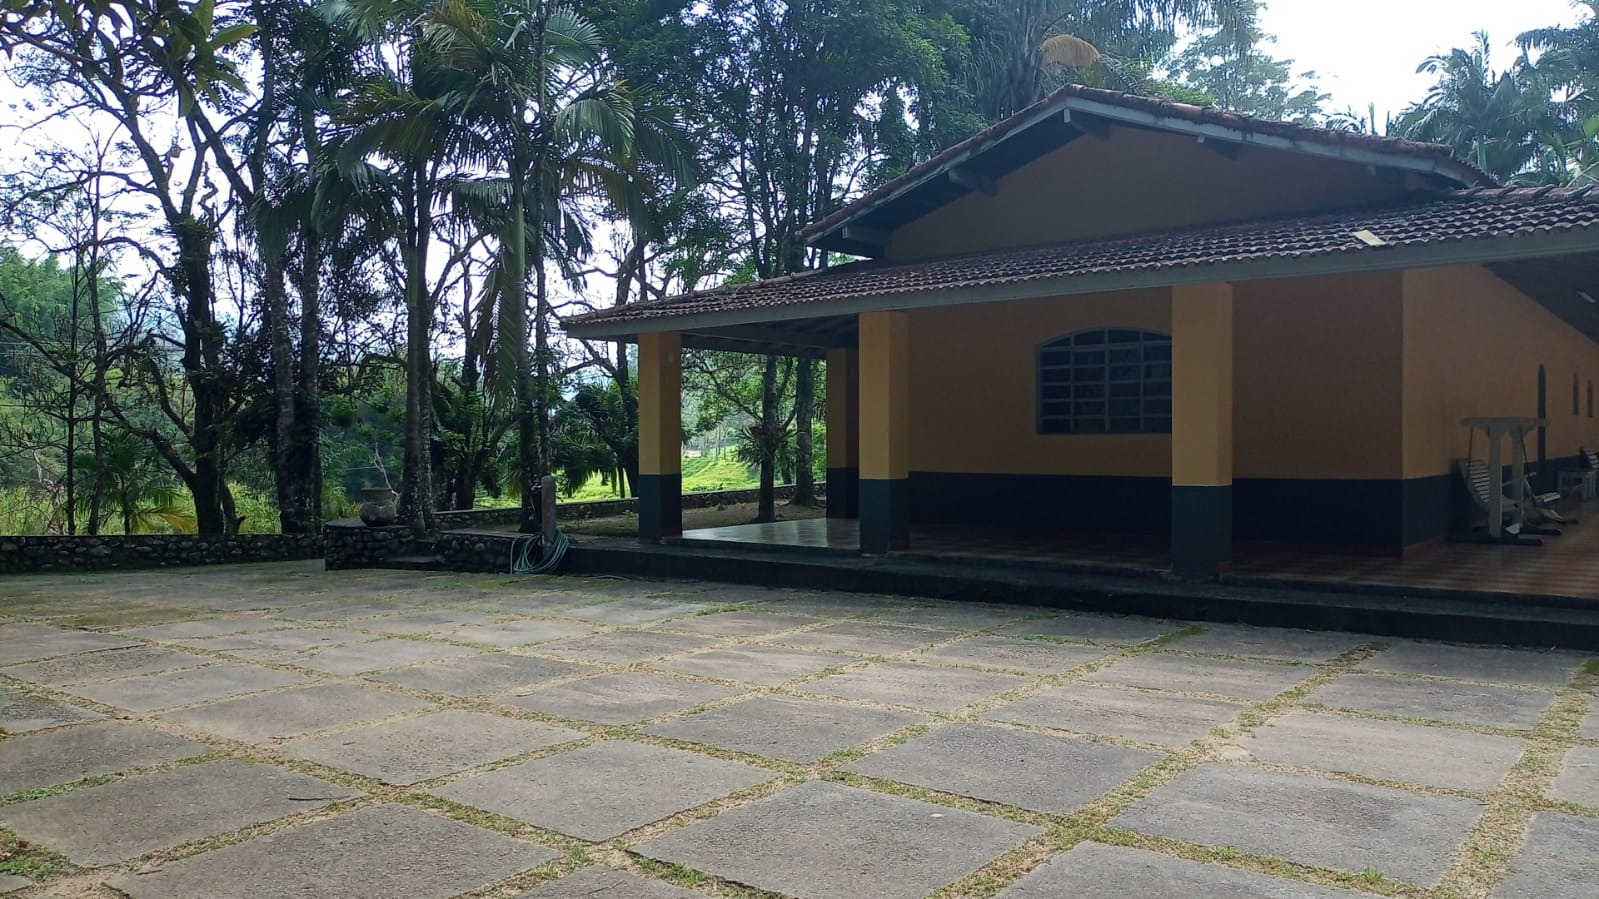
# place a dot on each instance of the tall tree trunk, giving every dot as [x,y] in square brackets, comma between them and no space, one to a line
[416,496]
[766,500]
[305,454]
[804,445]
[514,333]
[291,484]
[202,368]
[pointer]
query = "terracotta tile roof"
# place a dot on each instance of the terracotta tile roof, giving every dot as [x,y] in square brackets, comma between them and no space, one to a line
[1453,217]
[1196,114]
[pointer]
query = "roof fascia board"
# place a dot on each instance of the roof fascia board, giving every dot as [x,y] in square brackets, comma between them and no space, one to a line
[1480,252]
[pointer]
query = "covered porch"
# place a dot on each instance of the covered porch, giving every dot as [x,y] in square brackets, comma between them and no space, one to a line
[1565,568]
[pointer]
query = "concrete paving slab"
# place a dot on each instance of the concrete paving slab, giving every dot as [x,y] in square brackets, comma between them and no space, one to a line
[426,621]
[996,764]
[479,675]
[863,638]
[1112,711]
[54,757]
[602,791]
[371,853]
[621,647]
[11,883]
[824,605]
[917,685]
[1556,862]
[510,634]
[1087,628]
[1477,663]
[103,825]
[1280,643]
[1437,700]
[1390,750]
[635,611]
[106,663]
[624,698]
[31,642]
[798,730]
[22,713]
[412,750]
[1590,724]
[1577,782]
[360,658]
[960,616]
[261,717]
[266,644]
[598,882]
[825,840]
[149,692]
[754,663]
[1189,674]
[1098,871]
[202,627]
[739,624]
[1311,820]
[1017,654]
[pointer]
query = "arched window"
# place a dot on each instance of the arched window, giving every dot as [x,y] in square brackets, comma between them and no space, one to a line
[1105,381]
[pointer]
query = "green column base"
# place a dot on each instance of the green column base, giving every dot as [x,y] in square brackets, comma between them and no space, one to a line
[1201,531]
[843,493]
[660,507]
[885,515]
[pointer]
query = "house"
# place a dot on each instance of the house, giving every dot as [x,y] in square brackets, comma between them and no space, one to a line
[1119,314]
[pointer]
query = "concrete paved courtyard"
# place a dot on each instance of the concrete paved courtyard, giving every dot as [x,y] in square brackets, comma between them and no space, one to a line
[278,731]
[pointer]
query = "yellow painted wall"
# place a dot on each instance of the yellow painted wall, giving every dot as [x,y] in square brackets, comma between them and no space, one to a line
[1316,383]
[974,392]
[1473,345]
[1137,181]
[1317,377]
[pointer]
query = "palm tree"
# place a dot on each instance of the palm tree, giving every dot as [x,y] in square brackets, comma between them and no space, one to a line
[140,489]
[1024,49]
[1568,61]
[1497,120]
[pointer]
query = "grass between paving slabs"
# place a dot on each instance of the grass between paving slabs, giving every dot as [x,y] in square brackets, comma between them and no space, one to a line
[23,859]
[1089,823]
[1493,843]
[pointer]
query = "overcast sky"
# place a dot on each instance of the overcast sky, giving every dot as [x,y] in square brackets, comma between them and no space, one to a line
[1366,51]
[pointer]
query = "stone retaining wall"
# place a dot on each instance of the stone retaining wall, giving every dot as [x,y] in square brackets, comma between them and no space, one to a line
[35,553]
[475,550]
[351,543]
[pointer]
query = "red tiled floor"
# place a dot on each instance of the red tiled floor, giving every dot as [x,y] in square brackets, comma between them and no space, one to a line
[1567,565]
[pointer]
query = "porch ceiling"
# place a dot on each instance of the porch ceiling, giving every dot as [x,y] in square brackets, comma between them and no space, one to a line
[808,338]
[1568,286]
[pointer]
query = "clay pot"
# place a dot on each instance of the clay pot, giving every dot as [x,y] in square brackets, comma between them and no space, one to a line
[379,506]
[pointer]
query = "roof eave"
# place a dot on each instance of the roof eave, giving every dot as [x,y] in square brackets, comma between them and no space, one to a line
[1480,251]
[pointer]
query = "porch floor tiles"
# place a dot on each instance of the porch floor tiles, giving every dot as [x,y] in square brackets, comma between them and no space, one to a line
[1566,566]
[649,753]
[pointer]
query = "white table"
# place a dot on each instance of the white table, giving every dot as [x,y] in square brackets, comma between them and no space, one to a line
[1497,430]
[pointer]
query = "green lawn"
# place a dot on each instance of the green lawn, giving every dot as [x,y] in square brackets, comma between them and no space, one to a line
[700,474]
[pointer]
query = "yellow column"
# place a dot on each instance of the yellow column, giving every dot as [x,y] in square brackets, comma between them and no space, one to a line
[843,434]
[884,431]
[1202,429]
[660,436]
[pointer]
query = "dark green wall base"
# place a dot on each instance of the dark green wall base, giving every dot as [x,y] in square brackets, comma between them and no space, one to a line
[843,493]
[660,507]
[1042,502]
[1201,531]
[885,515]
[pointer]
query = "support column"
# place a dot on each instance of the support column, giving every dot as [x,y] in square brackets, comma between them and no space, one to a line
[1202,429]
[660,436]
[843,434]
[884,431]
